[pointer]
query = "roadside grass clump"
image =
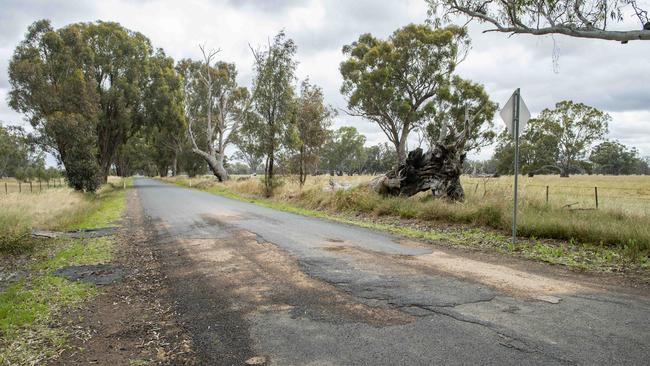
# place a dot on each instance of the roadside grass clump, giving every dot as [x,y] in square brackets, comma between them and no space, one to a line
[15,229]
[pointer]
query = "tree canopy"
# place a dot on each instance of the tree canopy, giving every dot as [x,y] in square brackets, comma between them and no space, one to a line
[557,140]
[575,18]
[273,100]
[82,88]
[393,82]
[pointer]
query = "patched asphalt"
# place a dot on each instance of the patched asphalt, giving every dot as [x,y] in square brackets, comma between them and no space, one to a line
[454,320]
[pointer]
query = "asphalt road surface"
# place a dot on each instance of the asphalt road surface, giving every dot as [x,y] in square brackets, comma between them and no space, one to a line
[250,281]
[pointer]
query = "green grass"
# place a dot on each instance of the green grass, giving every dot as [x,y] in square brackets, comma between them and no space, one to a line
[104,210]
[477,229]
[31,330]
[77,252]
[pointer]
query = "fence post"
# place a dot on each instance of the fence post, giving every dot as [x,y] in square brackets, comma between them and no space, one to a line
[30,187]
[547,195]
[476,189]
[6,189]
[596,195]
[20,187]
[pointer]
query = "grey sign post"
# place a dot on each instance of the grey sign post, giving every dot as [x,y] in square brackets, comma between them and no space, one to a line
[516,115]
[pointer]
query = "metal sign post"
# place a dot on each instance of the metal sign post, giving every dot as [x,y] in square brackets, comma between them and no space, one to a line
[515,114]
[515,119]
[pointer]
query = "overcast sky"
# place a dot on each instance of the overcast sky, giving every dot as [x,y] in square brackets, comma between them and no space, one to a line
[604,74]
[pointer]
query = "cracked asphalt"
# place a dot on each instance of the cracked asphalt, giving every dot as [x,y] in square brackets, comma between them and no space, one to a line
[252,281]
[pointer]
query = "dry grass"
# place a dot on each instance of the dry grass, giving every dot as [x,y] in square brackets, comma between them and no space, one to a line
[56,208]
[621,220]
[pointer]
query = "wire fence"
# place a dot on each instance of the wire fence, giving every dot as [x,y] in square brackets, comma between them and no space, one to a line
[581,197]
[31,186]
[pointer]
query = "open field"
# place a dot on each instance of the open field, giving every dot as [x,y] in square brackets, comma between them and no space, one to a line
[617,231]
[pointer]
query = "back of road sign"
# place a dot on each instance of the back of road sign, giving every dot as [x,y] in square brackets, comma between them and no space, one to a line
[507,114]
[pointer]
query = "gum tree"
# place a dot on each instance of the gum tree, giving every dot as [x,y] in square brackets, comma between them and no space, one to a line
[215,105]
[393,82]
[273,100]
[312,120]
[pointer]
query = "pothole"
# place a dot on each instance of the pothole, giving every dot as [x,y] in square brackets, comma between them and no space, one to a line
[98,274]
[81,233]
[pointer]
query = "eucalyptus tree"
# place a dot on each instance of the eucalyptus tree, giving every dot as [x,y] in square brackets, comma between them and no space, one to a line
[274,74]
[49,84]
[18,151]
[81,87]
[612,157]
[164,109]
[119,67]
[575,127]
[214,108]
[312,120]
[344,152]
[248,149]
[575,18]
[394,82]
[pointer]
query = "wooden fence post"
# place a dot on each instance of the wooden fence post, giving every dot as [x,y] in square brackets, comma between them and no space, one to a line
[547,195]
[6,189]
[30,187]
[20,187]
[596,195]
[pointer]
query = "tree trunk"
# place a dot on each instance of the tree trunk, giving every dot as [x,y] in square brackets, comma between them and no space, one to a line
[303,175]
[175,163]
[106,169]
[268,178]
[215,164]
[438,170]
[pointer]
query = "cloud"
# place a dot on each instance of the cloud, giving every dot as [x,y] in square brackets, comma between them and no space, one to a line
[606,75]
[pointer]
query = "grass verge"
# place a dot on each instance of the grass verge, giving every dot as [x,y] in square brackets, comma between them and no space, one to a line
[32,297]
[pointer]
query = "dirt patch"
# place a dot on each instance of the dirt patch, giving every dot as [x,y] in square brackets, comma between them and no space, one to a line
[99,274]
[261,278]
[504,278]
[339,248]
[132,321]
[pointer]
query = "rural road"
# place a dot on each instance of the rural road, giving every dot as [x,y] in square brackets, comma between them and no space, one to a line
[252,281]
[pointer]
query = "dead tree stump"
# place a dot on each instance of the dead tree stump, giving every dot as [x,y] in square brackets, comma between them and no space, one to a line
[437,170]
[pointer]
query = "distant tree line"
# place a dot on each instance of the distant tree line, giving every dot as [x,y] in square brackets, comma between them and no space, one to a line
[21,156]
[561,141]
